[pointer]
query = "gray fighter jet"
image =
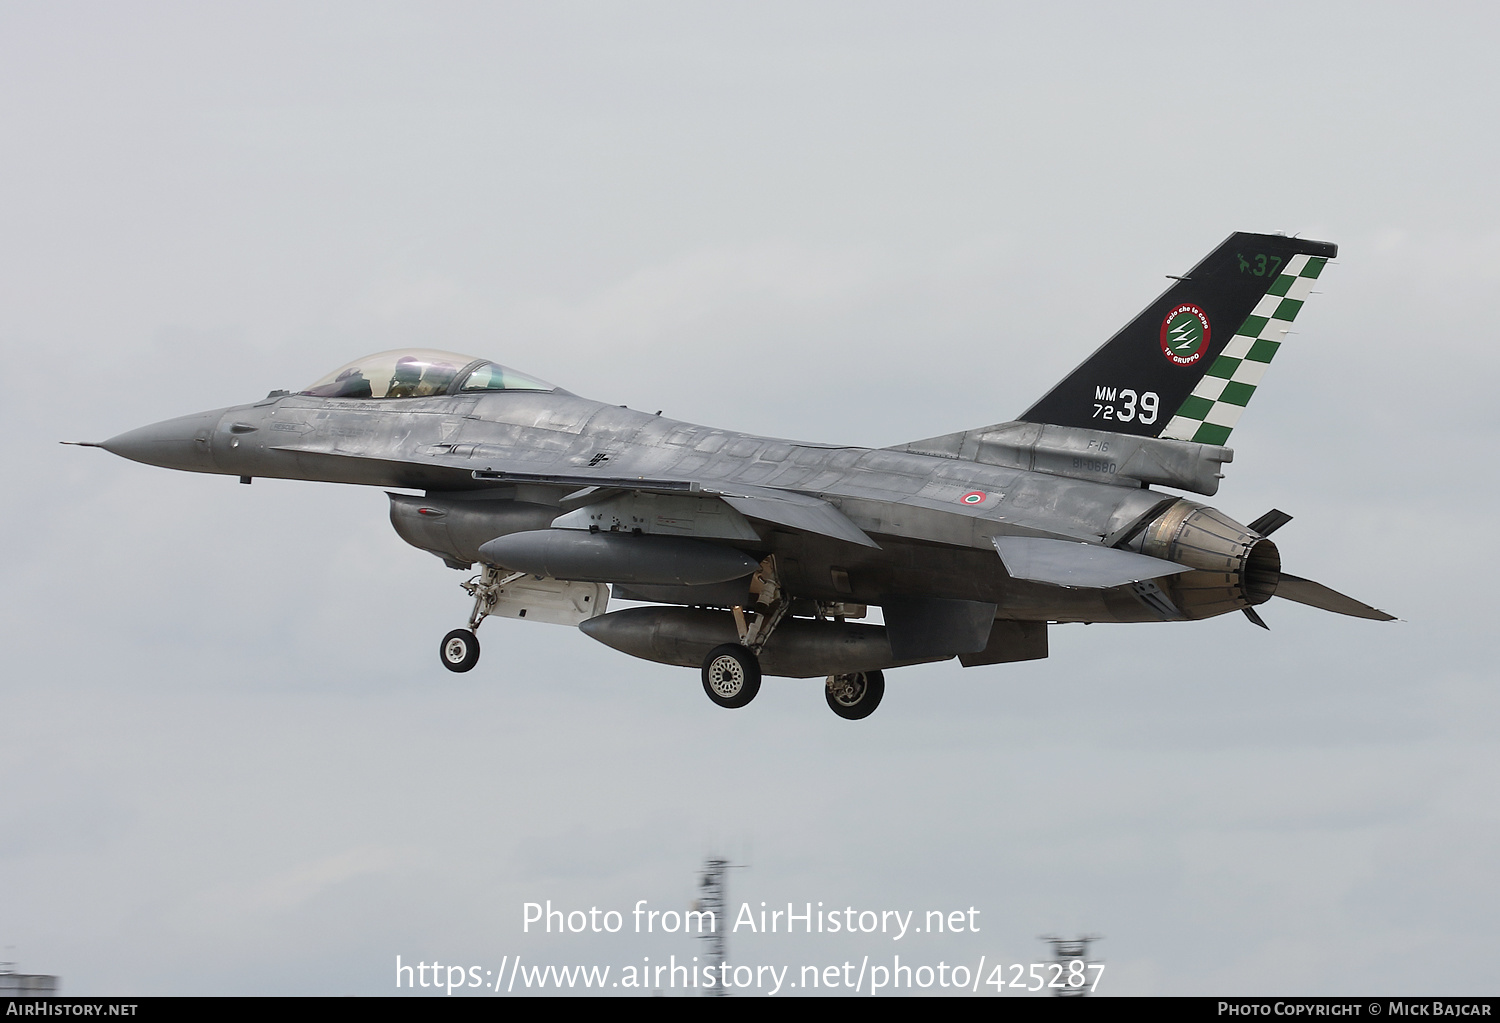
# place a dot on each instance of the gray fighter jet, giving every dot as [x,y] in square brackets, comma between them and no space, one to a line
[756,555]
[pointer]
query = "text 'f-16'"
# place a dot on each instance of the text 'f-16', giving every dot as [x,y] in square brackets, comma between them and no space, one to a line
[756,556]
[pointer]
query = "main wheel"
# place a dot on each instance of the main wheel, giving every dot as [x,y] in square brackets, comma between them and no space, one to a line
[460,650]
[731,675]
[857,695]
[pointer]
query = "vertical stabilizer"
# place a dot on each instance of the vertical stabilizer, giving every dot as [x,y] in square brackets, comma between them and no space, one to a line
[1185,368]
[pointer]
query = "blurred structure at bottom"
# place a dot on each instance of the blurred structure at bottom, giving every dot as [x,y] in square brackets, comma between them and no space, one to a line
[1065,953]
[25,985]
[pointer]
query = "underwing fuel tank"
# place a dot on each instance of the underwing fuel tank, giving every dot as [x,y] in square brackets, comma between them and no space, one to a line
[799,648]
[1233,566]
[607,557]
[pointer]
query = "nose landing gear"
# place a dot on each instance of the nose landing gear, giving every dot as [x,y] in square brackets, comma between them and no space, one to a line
[460,650]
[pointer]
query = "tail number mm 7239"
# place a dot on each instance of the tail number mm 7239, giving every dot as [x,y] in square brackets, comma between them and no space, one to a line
[1123,405]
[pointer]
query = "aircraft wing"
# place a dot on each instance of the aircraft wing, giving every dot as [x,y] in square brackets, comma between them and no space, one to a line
[782,507]
[787,508]
[797,511]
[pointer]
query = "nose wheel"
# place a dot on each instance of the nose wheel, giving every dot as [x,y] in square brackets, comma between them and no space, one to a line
[856,695]
[460,650]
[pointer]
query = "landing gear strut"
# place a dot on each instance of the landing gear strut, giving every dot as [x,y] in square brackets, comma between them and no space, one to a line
[856,695]
[460,648]
[731,671]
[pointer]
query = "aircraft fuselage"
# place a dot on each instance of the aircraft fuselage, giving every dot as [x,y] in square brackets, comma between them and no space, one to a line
[933,517]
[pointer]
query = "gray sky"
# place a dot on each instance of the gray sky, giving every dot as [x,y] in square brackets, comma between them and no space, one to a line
[229,759]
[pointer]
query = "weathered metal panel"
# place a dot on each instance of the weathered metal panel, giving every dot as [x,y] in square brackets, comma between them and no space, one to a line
[1099,455]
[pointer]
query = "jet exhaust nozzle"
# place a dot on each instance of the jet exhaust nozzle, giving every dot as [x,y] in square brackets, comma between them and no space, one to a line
[1233,566]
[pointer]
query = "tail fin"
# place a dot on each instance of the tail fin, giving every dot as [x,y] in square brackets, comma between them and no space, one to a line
[1185,368]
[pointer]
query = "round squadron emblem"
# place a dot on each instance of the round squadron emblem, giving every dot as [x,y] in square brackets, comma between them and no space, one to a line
[1184,335]
[974,497]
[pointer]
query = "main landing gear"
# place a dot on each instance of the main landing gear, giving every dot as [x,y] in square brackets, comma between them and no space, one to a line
[856,695]
[731,675]
[460,648]
[731,671]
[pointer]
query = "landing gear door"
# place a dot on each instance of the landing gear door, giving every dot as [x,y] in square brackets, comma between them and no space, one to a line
[541,599]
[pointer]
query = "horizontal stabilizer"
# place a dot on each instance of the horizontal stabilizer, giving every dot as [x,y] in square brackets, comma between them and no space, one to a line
[1305,591]
[1078,565]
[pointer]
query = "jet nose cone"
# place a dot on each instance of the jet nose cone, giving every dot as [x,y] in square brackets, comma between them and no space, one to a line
[182,443]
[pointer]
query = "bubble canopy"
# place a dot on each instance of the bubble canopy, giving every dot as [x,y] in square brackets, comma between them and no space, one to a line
[420,373]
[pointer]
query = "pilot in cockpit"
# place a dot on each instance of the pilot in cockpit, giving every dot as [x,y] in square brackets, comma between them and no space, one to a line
[436,378]
[405,379]
[420,373]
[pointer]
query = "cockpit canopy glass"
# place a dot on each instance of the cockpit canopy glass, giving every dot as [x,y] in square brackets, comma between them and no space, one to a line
[420,373]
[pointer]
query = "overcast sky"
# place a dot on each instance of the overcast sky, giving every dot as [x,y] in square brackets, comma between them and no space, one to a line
[230,761]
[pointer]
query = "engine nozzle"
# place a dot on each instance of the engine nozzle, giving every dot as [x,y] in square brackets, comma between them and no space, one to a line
[1233,566]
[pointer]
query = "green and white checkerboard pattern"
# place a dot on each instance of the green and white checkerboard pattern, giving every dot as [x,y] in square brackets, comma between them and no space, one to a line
[1210,412]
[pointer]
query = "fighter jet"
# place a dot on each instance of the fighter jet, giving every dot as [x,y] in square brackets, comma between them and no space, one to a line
[751,556]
